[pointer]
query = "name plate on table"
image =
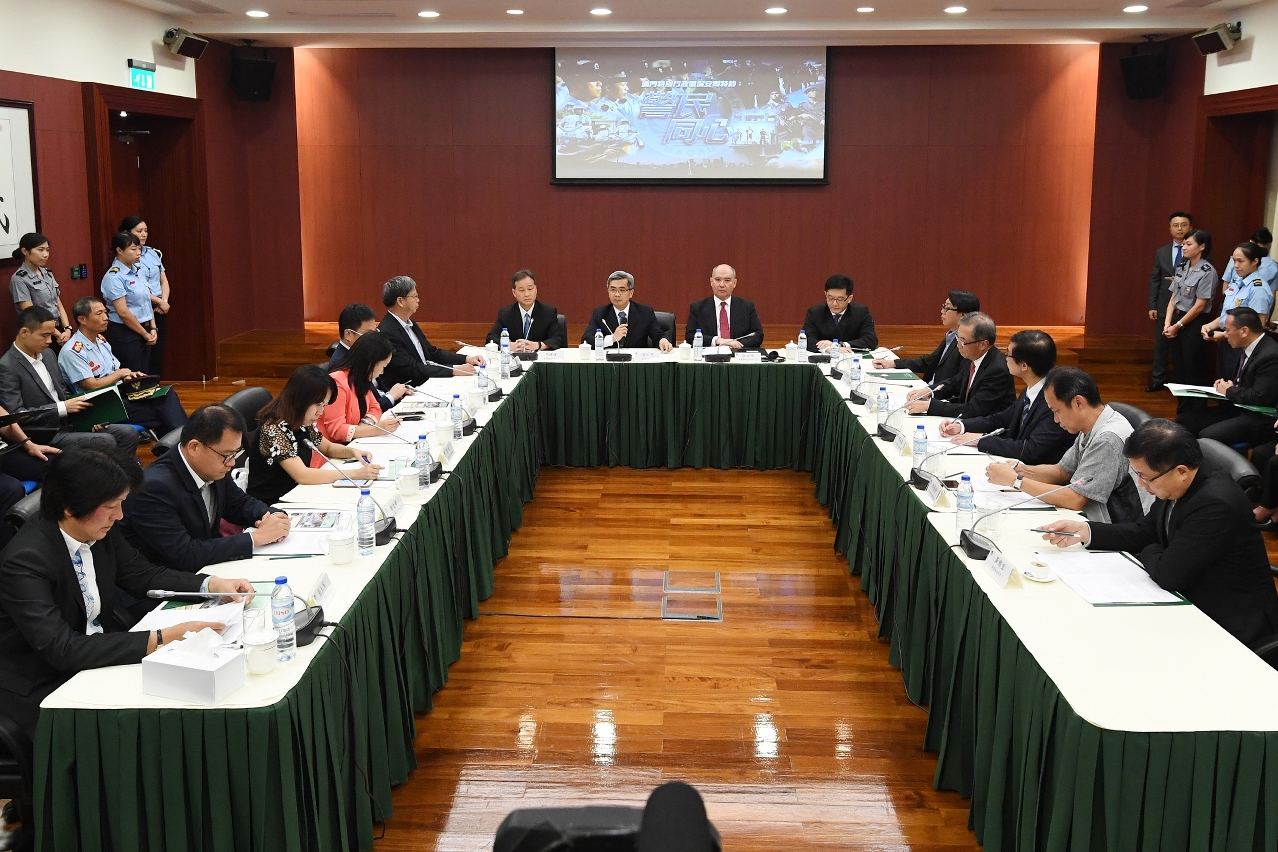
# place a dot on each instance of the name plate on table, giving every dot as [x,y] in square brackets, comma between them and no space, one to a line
[936,493]
[553,355]
[321,591]
[902,444]
[1000,569]
[448,452]
[748,358]
[395,504]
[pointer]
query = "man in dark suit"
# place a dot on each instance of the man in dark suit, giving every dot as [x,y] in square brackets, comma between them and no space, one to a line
[1030,433]
[942,362]
[175,518]
[1166,259]
[532,325]
[58,610]
[625,322]
[1197,539]
[839,319]
[355,321]
[411,349]
[1255,383]
[30,380]
[723,319]
[982,386]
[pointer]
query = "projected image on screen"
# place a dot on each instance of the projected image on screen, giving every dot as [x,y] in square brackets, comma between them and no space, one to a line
[690,114]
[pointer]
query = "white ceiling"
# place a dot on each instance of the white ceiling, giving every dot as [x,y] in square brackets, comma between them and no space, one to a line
[484,23]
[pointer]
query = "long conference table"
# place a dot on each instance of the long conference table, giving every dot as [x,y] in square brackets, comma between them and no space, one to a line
[1069,726]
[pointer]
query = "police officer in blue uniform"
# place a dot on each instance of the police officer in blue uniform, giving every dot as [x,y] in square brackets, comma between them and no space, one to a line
[1247,289]
[131,330]
[33,283]
[87,363]
[1192,289]
[151,266]
[1268,267]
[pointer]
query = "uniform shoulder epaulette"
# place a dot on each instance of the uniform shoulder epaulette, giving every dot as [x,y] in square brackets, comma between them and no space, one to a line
[115,269]
[77,346]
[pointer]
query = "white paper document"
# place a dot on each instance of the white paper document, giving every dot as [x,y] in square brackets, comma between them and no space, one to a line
[230,614]
[307,530]
[1107,578]
[1207,390]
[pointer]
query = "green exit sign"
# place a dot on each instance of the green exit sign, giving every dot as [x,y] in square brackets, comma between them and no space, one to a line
[142,75]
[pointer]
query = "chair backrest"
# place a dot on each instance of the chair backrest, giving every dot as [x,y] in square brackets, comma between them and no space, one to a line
[16,764]
[1134,415]
[24,510]
[248,403]
[1240,470]
[1268,651]
[666,320]
[167,443]
[563,326]
[332,347]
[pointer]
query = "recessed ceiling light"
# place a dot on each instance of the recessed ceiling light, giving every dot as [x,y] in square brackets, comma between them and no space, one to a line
[123,114]
[428,14]
[1135,9]
[865,9]
[776,10]
[955,10]
[257,13]
[601,12]
[514,11]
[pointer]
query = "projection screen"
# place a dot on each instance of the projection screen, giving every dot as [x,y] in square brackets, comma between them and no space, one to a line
[679,115]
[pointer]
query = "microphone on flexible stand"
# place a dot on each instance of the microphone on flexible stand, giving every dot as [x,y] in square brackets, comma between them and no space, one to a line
[616,354]
[386,527]
[494,390]
[857,398]
[886,432]
[836,372]
[977,546]
[717,357]
[919,476]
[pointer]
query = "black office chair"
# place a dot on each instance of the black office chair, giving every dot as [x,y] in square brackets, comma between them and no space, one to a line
[1268,651]
[1242,471]
[1134,415]
[167,443]
[563,328]
[17,773]
[24,510]
[332,347]
[248,403]
[666,321]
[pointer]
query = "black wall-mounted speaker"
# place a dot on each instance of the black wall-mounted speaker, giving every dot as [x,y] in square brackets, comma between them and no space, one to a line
[252,77]
[1144,75]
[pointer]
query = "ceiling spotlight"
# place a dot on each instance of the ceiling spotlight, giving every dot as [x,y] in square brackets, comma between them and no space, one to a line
[123,114]
[864,9]
[257,13]
[1132,9]
[514,11]
[428,14]
[955,10]
[601,12]
[776,10]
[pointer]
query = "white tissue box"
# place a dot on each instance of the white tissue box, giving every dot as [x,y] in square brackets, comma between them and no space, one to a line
[169,674]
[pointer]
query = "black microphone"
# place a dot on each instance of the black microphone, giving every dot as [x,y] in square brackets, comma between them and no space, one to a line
[857,398]
[886,432]
[468,419]
[919,477]
[616,354]
[977,546]
[384,528]
[493,393]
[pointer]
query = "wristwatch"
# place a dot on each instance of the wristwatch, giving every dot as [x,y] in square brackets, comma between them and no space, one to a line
[1017,483]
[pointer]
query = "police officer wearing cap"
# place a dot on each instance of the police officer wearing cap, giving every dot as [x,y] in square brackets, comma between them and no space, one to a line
[33,283]
[1246,289]
[131,330]
[1192,289]
[151,267]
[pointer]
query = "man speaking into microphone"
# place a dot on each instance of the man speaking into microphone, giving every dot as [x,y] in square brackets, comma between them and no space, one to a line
[624,321]
[724,319]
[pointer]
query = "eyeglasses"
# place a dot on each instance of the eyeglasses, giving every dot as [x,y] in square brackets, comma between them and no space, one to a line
[961,342]
[1151,480]
[618,290]
[946,306]
[837,300]
[227,458]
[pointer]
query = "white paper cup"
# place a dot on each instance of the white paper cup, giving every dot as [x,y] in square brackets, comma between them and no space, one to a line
[409,481]
[685,351]
[341,546]
[792,353]
[474,400]
[490,347]
[260,651]
[443,432]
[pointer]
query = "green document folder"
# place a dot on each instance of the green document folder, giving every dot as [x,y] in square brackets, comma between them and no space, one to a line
[107,407]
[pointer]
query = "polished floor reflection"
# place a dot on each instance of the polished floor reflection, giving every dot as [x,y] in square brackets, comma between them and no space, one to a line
[572,690]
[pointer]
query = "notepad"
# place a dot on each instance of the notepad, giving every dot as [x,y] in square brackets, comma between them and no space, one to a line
[1106,578]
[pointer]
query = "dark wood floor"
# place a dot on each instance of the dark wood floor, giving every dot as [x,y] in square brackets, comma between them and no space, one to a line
[571,689]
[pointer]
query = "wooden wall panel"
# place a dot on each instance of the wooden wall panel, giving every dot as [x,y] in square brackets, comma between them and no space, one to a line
[1144,161]
[949,166]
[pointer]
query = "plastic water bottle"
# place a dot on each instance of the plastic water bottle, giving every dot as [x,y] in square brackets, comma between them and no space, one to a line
[920,446]
[882,406]
[505,354]
[834,349]
[966,504]
[458,415]
[365,523]
[803,346]
[282,620]
[698,346]
[854,374]
[481,379]
[599,347]
[423,462]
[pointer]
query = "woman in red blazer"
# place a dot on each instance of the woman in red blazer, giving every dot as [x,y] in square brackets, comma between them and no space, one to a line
[350,415]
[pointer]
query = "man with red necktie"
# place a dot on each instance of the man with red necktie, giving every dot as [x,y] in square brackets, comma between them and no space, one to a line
[724,319]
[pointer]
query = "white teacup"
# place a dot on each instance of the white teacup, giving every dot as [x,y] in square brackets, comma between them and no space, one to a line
[792,352]
[341,546]
[260,651]
[409,481]
[443,432]
[585,352]
[685,351]
[490,346]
